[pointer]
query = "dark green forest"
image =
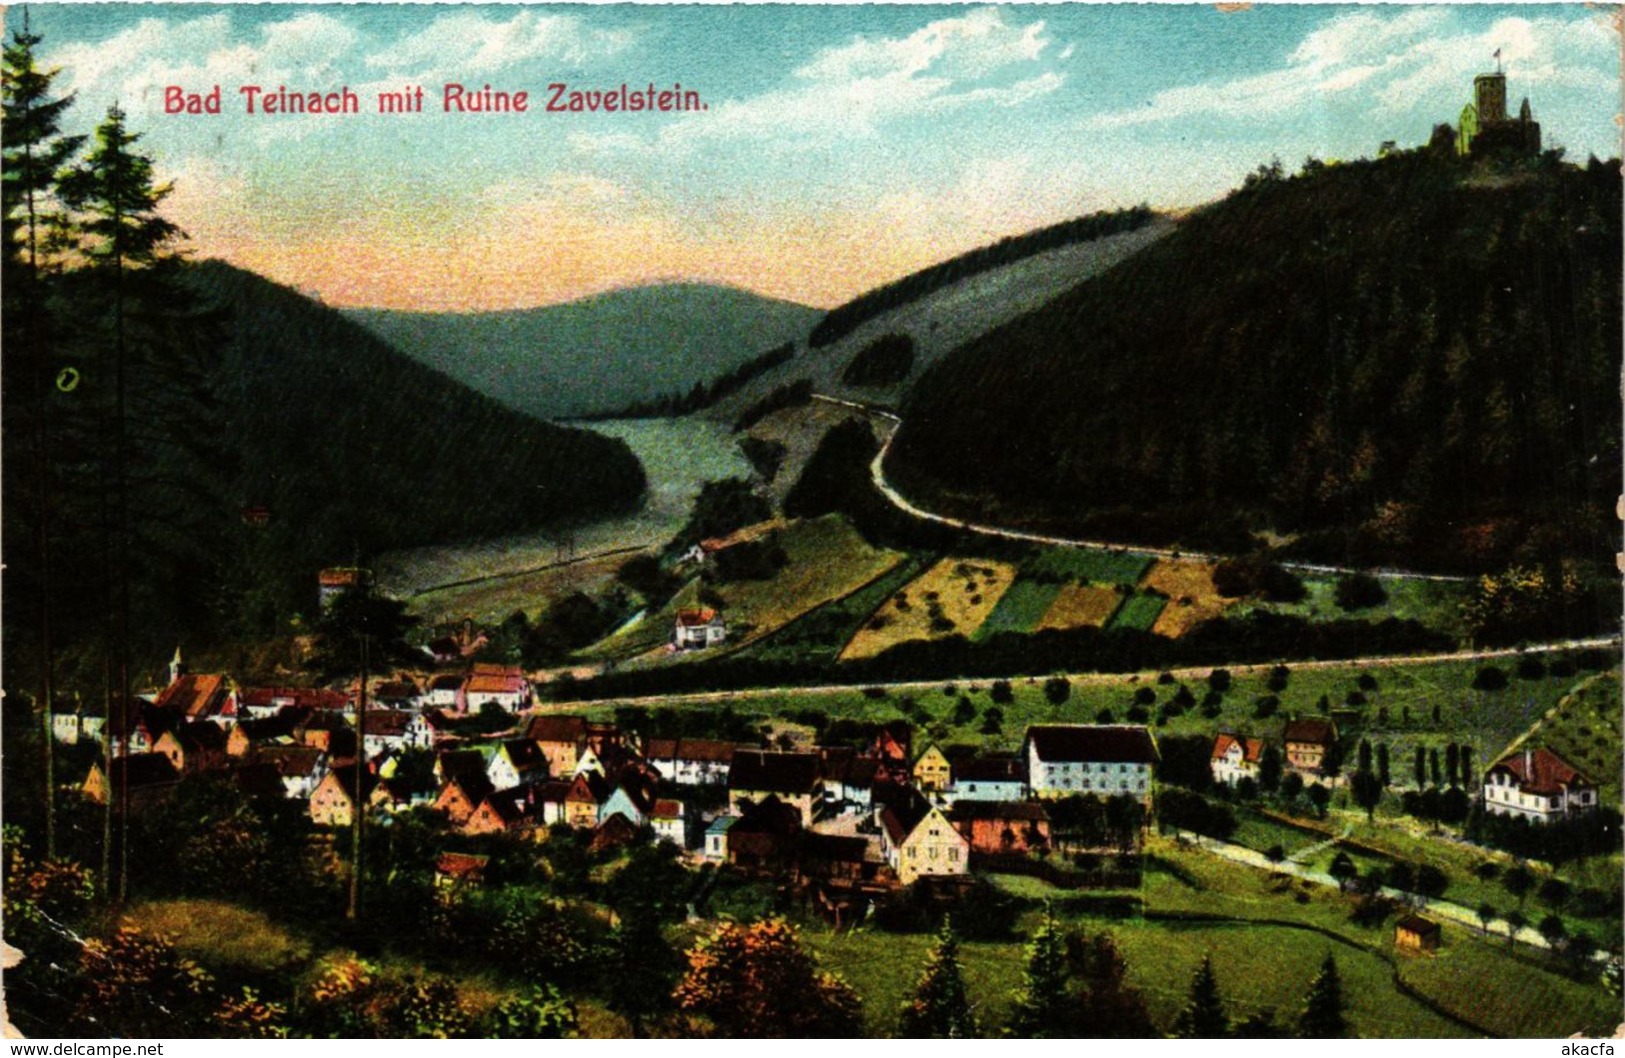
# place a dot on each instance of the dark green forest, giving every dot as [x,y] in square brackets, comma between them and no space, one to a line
[188,444]
[353,447]
[1410,360]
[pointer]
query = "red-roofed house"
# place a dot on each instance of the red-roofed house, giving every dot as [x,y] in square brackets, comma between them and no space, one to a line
[1309,741]
[510,692]
[206,696]
[697,629]
[667,820]
[1236,758]
[1538,785]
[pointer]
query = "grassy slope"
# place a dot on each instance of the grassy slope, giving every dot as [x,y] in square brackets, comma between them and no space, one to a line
[599,353]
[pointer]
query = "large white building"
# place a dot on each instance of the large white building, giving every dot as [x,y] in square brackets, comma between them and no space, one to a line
[1064,760]
[1538,785]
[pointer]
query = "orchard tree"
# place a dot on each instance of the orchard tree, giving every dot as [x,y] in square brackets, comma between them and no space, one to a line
[756,981]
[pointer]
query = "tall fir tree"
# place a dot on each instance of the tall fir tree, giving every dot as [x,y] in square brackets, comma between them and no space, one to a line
[34,151]
[1043,1007]
[1203,1017]
[940,1007]
[1322,1016]
[1110,1007]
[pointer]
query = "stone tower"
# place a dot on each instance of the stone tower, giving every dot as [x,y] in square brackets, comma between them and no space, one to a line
[1490,97]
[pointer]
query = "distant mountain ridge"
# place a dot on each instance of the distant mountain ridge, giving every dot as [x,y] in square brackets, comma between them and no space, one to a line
[352,448]
[600,353]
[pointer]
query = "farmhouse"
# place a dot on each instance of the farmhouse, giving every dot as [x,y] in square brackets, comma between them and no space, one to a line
[193,748]
[918,840]
[667,819]
[386,729]
[765,837]
[516,762]
[334,802]
[562,739]
[1309,741]
[995,777]
[698,629]
[300,767]
[1236,758]
[1537,785]
[932,772]
[691,761]
[1103,759]
[445,691]
[757,774]
[203,697]
[1002,827]
[511,692]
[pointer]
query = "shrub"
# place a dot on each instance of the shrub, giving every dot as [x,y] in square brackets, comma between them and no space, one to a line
[1057,689]
[1490,678]
[1357,591]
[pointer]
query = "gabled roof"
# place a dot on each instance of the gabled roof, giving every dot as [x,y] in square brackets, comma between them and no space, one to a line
[291,761]
[475,787]
[204,735]
[1023,811]
[396,689]
[142,770]
[834,848]
[461,865]
[554,791]
[666,808]
[995,767]
[902,814]
[195,696]
[1315,729]
[448,682]
[696,618]
[1093,743]
[1541,771]
[495,668]
[460,763]
[589,787]
[790,773]
[260,779]
[487,683]
[1418,925]
[1252,749]
[570,729]
[387,723]
[772,816]
[510,806]
[721,824]
[345,777]
[706,750]
[524,754]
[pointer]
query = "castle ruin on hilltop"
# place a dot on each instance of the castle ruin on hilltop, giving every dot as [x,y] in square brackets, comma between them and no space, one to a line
[1485,129]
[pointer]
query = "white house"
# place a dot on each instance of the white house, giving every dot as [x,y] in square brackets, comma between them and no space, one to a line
[1100,759]
[508,690]
[990,778]
[516,762]
[1236,758]
[690,761]
[716,838]
[668,823]
[1538,785]
[444,691]
[425,729]
[697,629]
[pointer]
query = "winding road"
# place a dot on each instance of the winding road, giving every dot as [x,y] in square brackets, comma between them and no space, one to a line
[877,472]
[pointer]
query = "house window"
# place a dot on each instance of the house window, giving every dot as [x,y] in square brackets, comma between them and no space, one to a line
[953,855]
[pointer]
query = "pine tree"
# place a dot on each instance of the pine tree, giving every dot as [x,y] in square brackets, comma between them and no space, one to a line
[1110,1007]
[34,150]
[940,1009]
[1322,1016]
[1203,1017]
[1043,1004]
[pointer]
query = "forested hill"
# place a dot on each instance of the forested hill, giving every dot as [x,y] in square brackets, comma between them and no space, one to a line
[600,353]
[354,447]
[1414,359]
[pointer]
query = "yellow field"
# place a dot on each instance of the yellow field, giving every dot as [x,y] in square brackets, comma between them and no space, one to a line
[1079,606]
[966,590]
[1192,598]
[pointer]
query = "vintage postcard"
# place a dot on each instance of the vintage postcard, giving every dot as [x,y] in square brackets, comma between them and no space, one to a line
[778,521]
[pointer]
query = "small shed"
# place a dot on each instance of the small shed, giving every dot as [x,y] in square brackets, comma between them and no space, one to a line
[1415,933]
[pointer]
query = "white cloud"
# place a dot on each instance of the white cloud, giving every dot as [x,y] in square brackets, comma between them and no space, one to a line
[470,43]
[1390,62]
[853,89]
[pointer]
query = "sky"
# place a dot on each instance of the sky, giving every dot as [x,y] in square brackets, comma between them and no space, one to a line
[840,146]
